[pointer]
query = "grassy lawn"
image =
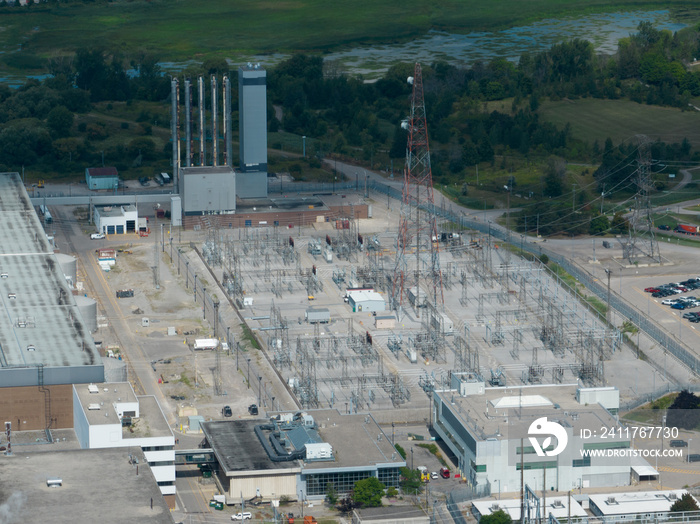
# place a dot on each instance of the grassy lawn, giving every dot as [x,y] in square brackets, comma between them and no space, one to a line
[593,119]
[184,30]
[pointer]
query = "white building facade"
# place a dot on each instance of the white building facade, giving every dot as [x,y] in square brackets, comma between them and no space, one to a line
[487,430]
[110,415]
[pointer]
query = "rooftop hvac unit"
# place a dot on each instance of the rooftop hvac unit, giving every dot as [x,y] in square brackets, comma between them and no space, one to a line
[54,482]
[93,407]
[611,500]
[558,504]
[92,388]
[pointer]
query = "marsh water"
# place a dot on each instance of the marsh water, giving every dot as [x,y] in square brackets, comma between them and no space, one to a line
[603,30]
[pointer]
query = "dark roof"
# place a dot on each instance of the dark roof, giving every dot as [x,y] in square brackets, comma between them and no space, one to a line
[237,447]
[102,171]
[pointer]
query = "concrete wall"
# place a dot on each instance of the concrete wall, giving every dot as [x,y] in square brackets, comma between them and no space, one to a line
[269,485]
[401,415]
[283,218]
[25,407]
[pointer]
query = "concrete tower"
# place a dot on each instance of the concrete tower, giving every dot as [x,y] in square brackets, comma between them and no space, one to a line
[251,179]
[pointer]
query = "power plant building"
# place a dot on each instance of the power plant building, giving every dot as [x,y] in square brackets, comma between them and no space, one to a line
[252,111]
[45,345]
[208,190]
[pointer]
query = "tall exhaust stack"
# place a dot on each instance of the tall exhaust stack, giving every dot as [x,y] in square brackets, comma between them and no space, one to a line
[188,123]
[202,132]
[175,128]
[214,122]
[228,145]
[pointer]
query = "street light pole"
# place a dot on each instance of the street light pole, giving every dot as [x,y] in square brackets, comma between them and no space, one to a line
[259,394]
[608,272]
[248,373]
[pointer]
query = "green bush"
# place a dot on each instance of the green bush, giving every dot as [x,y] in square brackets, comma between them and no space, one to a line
[401,451]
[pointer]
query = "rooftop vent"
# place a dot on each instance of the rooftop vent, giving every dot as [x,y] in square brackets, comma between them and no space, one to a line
[54,482]
[92,388]
[611,500]
[558,504]
[93,407]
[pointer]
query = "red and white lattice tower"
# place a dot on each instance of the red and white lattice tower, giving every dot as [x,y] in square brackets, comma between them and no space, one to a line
[417,264]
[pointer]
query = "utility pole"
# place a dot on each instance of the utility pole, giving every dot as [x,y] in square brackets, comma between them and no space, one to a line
[608,272]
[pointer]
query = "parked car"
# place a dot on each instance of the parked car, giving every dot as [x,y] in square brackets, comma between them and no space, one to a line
[669,301]
[679,305]
[679,444]
[97,236]
[651,290]
[665,228]
[445,473]
[242,516]
[227,411]
[253,409]
[434,475]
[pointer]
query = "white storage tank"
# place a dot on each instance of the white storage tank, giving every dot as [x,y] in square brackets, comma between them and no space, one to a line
[88,310]
[69,266]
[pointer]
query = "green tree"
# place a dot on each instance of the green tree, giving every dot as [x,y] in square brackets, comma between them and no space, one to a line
[684,412]
[497,517]
[331,494]
[619,225]
[554,175]
[410,481]
[599,225]
[60,121]
[685,503]
[368,493]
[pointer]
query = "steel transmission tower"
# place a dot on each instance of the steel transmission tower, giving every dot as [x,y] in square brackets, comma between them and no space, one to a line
[641,239]
[417,225]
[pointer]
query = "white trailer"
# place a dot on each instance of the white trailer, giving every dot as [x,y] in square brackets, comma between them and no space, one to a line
[205,343]
[317,315]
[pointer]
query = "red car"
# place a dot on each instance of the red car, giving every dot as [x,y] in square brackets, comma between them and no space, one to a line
[652,290]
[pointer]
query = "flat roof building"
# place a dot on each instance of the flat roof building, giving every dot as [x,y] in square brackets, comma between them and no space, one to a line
[116,220]
[111,415]
[635,505]
[559,507]
[102,486]
[208,190]
[365,300]
[299,456]
[490,431]
[44,340]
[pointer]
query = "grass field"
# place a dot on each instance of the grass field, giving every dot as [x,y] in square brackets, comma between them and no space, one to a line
[593,119]
[183,29]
